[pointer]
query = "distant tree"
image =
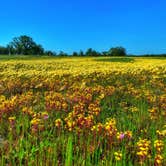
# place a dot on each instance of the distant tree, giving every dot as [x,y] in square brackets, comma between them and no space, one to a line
[61,53]
[104,53]
[26,46]
[3,50]
[99,54]
[50,53]
[75,54]
[10,49]
[81,53]
[37,49]
[91,52]
[117,51]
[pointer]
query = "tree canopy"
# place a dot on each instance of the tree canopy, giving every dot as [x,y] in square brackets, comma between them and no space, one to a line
[3,50]
[25,45]
[117,51]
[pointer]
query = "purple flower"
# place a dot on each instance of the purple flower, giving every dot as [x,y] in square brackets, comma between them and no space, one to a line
[121,135]
[45,117]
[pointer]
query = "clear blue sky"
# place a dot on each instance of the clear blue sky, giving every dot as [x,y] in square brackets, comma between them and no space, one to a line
[68,25]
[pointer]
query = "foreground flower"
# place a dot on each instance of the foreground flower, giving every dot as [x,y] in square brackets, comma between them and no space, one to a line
[158,144]
[120,136]
[12,121]
[128,134]
[45,115]
[143,149]
[158,160]
[118,156]
[58,123]
[36,125]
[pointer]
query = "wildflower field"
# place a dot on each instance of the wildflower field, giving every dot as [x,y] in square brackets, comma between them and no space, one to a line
[82,111]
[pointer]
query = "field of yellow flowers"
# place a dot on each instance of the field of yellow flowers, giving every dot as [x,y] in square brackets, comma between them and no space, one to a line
[83,112]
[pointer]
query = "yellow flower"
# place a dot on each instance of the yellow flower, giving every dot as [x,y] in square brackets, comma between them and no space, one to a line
[102,96]
[158,160]
[158,144]
[35,121]
[12,118]
[118,156]
[143,146]
[58,122]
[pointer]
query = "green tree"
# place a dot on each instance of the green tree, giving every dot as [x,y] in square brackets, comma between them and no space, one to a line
[37,49]
[50,53]
[81,53]
[10,49]
[3,50]
[75,54]
[104,53]
[26,46]
[61,53]
[117,51]
[91,52]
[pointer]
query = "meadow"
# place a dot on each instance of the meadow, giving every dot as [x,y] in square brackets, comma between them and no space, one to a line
[82,111]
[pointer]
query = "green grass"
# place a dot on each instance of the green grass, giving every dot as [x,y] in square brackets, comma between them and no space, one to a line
[116,59]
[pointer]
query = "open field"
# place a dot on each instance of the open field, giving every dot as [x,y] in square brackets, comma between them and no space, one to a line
[82,111]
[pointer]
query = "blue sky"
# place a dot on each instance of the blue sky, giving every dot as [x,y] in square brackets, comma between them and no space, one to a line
[73,25]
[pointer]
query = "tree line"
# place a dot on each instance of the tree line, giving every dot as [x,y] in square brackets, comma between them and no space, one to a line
[22,45]
[25,45]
